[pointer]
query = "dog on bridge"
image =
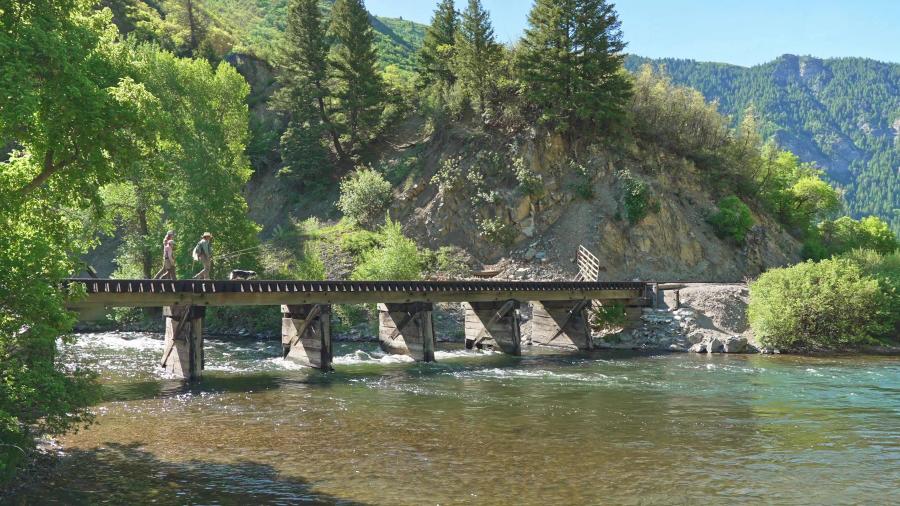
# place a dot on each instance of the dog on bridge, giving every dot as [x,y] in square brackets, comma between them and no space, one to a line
[241,274]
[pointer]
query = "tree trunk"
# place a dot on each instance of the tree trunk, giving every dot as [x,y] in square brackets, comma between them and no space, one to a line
[335,138]
[192,25]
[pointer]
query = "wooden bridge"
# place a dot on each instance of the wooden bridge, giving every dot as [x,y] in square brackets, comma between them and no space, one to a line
[559,311]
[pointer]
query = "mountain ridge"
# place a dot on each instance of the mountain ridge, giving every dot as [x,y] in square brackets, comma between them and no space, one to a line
[841,113]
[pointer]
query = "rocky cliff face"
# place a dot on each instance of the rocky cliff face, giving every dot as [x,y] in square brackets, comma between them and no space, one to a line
[672,242]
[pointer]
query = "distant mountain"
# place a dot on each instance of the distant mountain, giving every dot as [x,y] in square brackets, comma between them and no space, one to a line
[842,113]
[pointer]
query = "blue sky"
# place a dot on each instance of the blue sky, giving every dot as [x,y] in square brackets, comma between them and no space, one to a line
[744,32]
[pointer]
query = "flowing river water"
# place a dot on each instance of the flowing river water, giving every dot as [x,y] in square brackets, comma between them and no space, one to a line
[484,428]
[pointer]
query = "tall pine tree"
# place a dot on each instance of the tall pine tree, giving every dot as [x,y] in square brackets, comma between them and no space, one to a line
[477,53]
[303,78]
[436,54]
[356,85]
[570,63]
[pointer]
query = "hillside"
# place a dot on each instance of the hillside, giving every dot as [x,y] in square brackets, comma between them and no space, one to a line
[843,114]
[258,25]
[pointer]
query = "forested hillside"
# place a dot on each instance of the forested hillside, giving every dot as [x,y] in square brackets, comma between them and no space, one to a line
[843,114]
[254,26]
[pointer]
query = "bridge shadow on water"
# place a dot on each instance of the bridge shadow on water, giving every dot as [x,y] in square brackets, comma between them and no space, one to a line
[126,474]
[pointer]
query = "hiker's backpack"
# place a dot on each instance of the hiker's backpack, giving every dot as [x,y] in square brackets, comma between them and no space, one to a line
[196,252]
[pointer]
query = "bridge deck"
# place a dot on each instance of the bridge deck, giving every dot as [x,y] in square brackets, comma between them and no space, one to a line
[149,293]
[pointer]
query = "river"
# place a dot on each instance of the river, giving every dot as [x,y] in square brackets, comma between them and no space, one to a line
[482,428]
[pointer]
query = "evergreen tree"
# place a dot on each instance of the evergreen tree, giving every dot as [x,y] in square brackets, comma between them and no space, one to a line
[477,53]
[303,94]
[571,64]
[356,85]
[437,49]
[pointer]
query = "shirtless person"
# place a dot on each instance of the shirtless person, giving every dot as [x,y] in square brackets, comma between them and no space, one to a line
[168,270]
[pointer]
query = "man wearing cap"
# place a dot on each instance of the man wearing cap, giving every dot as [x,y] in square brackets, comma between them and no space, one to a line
[168,270]
[203,253]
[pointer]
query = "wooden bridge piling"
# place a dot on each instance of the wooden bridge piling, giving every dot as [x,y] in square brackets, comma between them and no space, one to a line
[562,324]
[494,324]
[306,334]
[183,349]
[407,329]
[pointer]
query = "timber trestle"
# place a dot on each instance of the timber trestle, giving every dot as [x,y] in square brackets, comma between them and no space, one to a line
[405,312]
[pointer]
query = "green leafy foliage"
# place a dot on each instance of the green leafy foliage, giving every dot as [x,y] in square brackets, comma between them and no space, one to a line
[72,115]
[636,197]
[733,219]
[834,303]
[397,258]
[497,231]
[365,196]
[836,237]
[191,178]
[608,317]
[447,262]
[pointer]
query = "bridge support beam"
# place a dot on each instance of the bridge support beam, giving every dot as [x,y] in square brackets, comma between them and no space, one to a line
[306,334]
[407,329]
[561,323]
[494,324]
[183,351]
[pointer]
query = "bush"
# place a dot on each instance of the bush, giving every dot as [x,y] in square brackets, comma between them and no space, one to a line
[636,198]
[397,259]
[365,196]
[733,219]
[608,317]
[830,304]
[447,261]
[846,234]
[497,231]
[530,182]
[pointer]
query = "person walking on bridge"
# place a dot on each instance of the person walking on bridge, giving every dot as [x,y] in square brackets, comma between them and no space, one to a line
[203,253]
[168,269]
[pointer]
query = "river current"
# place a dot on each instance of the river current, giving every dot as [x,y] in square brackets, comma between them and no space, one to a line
[480,428]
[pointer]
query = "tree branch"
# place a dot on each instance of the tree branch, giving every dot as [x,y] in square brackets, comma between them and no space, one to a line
[48,170]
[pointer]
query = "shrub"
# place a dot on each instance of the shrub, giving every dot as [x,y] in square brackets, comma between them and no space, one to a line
[497,231]
[530,183]
[846,234]
[608,317]
[636,198]
[830,304]
[733,219]
[397,259]
[450,176]
[365,196]
[448,261]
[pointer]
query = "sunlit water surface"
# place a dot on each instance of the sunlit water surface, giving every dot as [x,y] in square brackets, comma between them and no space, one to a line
[481,428]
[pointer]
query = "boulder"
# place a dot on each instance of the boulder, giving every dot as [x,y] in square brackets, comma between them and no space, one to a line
[698,348]
[715,345]
[735,344]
